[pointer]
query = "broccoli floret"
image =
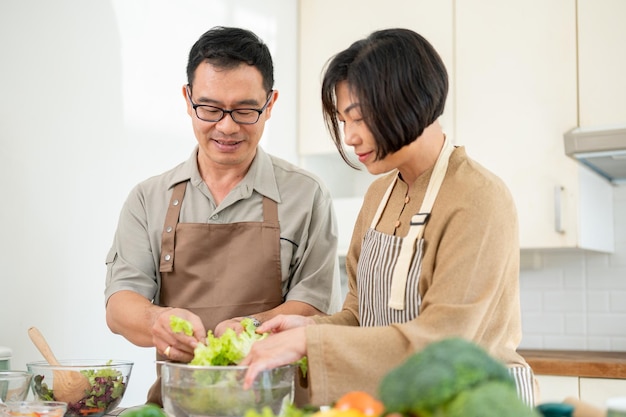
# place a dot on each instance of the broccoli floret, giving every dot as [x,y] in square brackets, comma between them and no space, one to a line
[432,377]
[491,399]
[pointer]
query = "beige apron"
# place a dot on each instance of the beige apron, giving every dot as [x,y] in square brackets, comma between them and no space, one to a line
[218,271]
[389,267]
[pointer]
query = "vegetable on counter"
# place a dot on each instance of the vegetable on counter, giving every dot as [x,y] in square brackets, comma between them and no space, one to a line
[289,411]
[351,404]
[360,401]
[147,410]
[449,378]
[452,378]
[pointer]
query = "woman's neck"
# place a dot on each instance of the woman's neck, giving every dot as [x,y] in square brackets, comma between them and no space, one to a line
[422,154]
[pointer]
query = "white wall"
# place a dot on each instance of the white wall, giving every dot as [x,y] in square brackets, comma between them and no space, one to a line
[91,104]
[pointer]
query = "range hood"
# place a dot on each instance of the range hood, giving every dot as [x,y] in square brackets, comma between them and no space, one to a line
[601,149]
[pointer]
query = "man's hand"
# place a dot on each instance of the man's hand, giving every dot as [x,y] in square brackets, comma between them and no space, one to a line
[295,308]
[177,346]
[234,323]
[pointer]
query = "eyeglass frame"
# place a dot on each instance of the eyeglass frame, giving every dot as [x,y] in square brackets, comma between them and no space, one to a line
[229,112]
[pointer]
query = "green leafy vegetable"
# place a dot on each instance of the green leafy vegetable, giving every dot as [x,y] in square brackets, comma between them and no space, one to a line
[303,363]
[491,399]
[289,410]
[180,325]
[228,349]
[433,377]
[148,410]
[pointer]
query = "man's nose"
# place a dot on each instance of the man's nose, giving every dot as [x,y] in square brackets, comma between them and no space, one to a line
[227,125]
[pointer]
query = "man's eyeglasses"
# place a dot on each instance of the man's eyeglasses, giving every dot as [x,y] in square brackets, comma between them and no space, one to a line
[215,114]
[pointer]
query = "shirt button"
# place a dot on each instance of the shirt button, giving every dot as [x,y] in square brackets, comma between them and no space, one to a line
[168,257]
[175,202]
[397,224]
[407,199]
[214,217]
[169,229]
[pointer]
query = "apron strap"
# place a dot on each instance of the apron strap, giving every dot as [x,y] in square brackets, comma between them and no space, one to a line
[416,230]
[169,229]
[270,211]
[383,203]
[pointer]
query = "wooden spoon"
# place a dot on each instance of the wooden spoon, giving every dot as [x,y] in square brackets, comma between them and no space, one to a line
[69,386]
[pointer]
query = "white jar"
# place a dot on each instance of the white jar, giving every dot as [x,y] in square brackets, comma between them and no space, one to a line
[616,407]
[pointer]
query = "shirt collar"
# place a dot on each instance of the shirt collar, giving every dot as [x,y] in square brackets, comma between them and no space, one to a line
[260,177]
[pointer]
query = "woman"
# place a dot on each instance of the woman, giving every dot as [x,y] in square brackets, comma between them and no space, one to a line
[434,252]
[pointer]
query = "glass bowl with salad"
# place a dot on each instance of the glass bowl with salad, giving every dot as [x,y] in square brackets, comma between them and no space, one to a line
[108,380]
[212,383]
[193,390]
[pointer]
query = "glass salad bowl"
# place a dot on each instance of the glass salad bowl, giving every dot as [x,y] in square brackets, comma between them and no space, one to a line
[108,380]
[190,390]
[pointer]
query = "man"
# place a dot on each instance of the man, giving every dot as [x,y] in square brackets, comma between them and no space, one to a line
[231,232]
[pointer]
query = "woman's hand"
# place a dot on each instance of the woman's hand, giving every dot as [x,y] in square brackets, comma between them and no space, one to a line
[177,346]
[284,322]
[278,349]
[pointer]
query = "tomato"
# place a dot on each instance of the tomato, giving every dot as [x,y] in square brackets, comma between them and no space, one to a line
[334,412]
[361,401]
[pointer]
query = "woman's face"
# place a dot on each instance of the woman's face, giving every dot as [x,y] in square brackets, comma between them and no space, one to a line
[357,134]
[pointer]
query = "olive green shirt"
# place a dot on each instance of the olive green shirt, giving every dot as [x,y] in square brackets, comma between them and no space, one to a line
[308,229]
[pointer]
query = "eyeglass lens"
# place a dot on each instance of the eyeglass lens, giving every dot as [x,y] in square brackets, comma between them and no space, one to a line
[214,114]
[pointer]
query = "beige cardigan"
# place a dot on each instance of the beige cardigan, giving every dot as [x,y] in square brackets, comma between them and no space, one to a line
[468,282]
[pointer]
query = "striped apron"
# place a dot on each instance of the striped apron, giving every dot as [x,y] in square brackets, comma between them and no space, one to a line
[389,267]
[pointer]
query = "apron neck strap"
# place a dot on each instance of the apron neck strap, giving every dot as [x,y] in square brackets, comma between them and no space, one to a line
[416,230]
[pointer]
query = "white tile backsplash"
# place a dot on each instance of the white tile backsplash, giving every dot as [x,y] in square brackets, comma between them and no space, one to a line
[564,301]
[575,299]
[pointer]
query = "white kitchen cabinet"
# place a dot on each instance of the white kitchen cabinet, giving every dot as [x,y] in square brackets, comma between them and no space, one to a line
[513,70]
[516,95]
[602,62]
[556,388]
[329,26]
[593,391]
[596,391]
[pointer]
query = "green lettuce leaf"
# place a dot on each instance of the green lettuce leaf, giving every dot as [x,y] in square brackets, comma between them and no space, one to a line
[180,325]
[228,349]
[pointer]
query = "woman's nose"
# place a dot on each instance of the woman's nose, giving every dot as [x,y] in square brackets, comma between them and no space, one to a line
[350,137]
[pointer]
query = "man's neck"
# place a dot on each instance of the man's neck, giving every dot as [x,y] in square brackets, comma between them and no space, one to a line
[221,179]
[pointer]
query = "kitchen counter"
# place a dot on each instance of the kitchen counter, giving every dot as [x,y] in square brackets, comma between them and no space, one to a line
[592,364]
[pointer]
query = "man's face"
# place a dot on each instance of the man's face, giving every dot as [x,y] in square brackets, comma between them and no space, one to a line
[225,143]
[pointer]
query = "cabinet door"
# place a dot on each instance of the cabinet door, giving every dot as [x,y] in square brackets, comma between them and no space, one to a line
[602,62]
[596,391]
[516,96]
[329,26]
[553,388]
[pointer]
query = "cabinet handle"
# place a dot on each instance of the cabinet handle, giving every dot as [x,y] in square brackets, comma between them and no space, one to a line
[558,209]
